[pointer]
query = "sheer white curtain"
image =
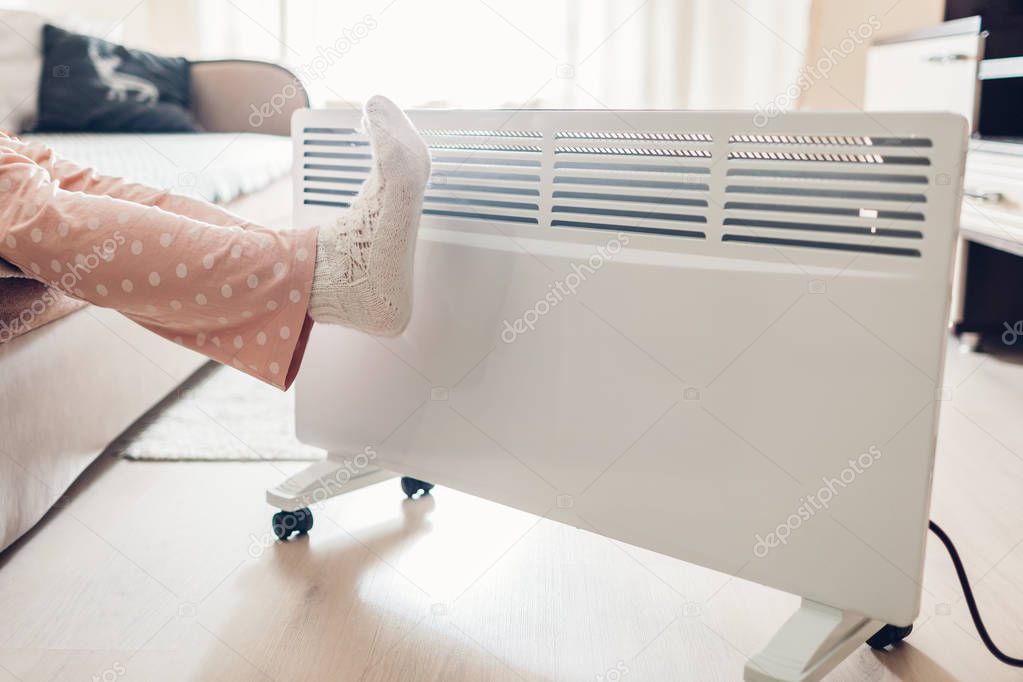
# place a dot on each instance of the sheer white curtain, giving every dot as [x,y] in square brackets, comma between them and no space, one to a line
[540,53]
[698,54]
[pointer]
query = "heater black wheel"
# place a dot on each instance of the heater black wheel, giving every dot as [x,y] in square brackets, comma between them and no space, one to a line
[412,486]
[889,635]
[287,522]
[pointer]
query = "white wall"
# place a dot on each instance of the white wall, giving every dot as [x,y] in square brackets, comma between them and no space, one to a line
[163,26]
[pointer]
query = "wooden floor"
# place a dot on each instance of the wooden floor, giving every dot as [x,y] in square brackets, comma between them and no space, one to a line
[167,571]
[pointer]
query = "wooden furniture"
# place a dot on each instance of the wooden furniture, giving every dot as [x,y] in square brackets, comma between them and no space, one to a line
[988,302]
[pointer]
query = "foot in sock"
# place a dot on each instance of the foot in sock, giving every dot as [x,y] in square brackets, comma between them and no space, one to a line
[363,276]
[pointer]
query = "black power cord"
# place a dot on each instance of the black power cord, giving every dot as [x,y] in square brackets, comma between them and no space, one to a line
[970,601]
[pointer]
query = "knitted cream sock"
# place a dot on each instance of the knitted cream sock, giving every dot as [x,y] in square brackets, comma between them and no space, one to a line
[363,276]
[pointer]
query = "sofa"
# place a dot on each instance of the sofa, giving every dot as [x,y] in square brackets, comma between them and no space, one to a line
[73,380]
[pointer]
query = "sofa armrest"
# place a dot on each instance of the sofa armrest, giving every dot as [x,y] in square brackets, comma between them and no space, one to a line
[238,95]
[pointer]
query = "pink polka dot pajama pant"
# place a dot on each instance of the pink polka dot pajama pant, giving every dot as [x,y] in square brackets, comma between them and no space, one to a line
[185,269]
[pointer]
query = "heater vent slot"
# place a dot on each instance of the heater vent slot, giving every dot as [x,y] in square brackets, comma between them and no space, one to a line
[459,161]
[831,140]
[531,134]
[479,216]
[633,135]
[626,213]
[661,201]
[330,131]
[692,234]
[903,197]
[484,175]
[514,148]
[458,201]
[630,167]
[828,246]
[331,180]
[635,151]
[335,192]
[337,155]
[829,157]
[438,183]
[867,231]
[362,170]
[335,143]
[323,202]
[629,182]
[825,210]
[802,176]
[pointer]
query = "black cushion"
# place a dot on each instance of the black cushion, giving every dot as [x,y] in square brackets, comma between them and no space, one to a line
[89,84]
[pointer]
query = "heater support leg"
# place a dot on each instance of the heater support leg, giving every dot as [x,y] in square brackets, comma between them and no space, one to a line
[810,644]
[339,473]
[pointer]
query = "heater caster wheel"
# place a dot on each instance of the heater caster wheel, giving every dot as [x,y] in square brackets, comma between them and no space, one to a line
[285,523]
[888,635]
[412,486]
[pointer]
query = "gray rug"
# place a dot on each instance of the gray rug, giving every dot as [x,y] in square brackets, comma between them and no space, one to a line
[219,414]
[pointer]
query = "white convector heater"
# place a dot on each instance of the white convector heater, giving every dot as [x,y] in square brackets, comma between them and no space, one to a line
[714,335]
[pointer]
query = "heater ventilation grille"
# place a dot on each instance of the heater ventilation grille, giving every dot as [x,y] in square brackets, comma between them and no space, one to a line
[335,161]
[785,191]
[857,194]
[491,175]
[477,174]
[654,182]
